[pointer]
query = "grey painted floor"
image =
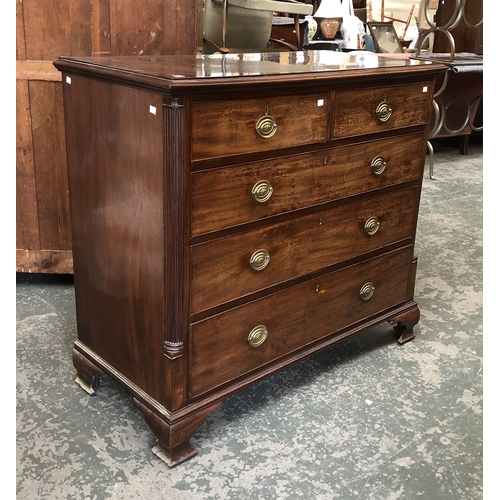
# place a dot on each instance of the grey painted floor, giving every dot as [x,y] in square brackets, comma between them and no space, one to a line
[367,419]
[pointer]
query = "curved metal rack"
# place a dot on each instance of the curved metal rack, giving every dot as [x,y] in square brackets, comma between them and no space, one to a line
[453,60]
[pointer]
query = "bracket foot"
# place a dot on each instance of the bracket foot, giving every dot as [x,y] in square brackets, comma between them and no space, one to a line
[173,436]
[88,375]
[404,323]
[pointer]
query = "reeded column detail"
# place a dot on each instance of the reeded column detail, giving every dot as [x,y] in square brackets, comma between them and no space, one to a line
[175,119]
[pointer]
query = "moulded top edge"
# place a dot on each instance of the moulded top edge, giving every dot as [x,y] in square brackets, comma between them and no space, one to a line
[203,68]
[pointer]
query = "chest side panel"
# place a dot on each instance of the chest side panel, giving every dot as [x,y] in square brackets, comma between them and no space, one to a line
[115,162]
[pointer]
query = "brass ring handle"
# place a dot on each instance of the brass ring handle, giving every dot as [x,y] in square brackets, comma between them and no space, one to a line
[383,111]
[367,290]
[378,165]
[257,336]
[259,259]
[266,126]
[262,191]
[371,226]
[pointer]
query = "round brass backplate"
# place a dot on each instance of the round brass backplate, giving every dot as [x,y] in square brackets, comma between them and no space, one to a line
[262,191]
[257,336]
[383,111]
[372,225]
[259,259]
[378,165]
[266,126]
[367,290]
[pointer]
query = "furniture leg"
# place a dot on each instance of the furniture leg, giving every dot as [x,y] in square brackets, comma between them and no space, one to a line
[404,323]
[88,375]
[463,144]
[173,445]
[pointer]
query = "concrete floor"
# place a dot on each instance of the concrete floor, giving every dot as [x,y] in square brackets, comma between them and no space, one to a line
[366,419]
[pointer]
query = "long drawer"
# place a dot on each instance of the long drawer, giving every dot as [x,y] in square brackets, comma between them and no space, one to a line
[225,197]
[243,339]
[257,259]
[222,128]
[382,108]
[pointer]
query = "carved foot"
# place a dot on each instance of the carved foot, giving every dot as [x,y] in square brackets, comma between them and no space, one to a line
[404,323]
[88,375]
[173,445]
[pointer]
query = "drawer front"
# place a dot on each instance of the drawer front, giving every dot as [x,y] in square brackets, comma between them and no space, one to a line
[222,128]
[264,257]
[220,345]
[359,112]
[226,197]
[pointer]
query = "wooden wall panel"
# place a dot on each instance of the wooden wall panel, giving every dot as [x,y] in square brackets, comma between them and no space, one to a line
[137,27]
[43,237]
[56,27]
[99,27]
[49,153]
[46,29]
[27,234]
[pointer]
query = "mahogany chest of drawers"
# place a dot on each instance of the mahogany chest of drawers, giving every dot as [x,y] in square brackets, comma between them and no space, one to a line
[234,214]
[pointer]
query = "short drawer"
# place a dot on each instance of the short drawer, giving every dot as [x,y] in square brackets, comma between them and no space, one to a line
[359,112]
[225,197]
[221,347]
[222,128]
[258,259]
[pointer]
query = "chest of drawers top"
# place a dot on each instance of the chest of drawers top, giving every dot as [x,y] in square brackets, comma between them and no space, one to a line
[216,71]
